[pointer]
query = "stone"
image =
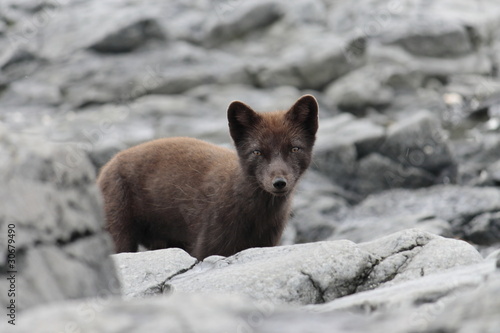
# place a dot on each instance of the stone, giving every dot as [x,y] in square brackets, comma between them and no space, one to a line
[361,88]
[483,229]
[433,39]
[296,274]
[311,63]
[129,37]
[411,254]
[459,316]
[231,23]
[446,210]
[423,300]
[50,200]
[341,140]
[150,268]
[370,228]
[305,12]
[299,274]
[376,173]
[418,141]
[435,303]
[316,202]
[448,202]
[177,313]
[477,159]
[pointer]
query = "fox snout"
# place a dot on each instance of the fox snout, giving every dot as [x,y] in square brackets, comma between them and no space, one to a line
[279,183]
[278,178]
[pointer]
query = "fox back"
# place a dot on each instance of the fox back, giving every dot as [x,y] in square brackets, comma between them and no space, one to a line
[205,199]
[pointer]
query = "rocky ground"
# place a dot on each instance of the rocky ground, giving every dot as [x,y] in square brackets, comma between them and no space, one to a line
[396,227]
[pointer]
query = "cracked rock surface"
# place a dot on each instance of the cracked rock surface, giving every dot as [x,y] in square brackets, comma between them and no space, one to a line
[150,269]
[301,274]
[459,300]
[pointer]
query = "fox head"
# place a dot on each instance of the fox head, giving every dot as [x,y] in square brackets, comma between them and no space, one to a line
[275,148]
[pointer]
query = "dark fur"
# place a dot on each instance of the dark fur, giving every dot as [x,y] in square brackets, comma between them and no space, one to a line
[183,192]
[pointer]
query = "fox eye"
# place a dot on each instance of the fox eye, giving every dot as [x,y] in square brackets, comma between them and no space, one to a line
[295,149]
[257,152]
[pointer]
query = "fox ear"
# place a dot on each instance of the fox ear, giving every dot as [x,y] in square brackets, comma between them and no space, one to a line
[305,113]
[241,119]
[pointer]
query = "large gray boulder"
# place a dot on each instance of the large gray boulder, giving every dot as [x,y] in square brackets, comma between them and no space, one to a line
[296,274]
[305,273]
[50,201]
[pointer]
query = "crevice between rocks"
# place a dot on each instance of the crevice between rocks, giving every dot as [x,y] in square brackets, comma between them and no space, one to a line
[320,299]
[364,279]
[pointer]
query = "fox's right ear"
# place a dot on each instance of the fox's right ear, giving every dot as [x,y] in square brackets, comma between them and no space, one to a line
[305,113]
[241,119]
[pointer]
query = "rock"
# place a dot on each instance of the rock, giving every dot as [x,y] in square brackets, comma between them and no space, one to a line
[417,297]
[311,63]
[150,268]
[305,273]
[32,92]
[483,229]
[369,228]
[231,23]
[409,299]
[305,12]
[427,207]
[411,254]
[417,306]
[376,173]
[358,155]
[433,39]
[129,37]
[316,202]
[459,316]
[49,198]
[341,141]
[449,202]
[477,158]
[296,274]
[360,89]
[72,27]
[418,141]
[174,314]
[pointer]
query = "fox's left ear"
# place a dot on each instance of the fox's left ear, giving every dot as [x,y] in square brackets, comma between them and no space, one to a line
[305,113]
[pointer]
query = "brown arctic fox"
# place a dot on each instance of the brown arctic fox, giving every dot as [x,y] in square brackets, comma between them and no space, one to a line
[205,199]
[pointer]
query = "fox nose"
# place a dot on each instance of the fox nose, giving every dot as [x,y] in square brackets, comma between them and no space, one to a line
[279,183]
